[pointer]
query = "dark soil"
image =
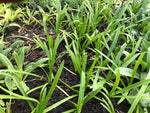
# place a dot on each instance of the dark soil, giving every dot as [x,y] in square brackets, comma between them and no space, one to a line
[21,106]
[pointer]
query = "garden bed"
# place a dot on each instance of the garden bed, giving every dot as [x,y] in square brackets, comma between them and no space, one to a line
[74,56]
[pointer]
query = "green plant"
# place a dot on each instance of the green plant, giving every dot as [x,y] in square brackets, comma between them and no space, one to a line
[7,16]
[137,61]
[106,103]
[13,76]
[29,16]
[85,77]
[111,34]
[2,106]
[57,17]
[44,98]
[50,50]
[76,57]
[139,13]
[86,18]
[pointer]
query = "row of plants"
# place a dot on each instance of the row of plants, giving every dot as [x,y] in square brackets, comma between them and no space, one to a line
[113,34]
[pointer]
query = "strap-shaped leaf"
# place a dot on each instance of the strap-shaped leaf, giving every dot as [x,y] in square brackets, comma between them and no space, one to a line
[6,62]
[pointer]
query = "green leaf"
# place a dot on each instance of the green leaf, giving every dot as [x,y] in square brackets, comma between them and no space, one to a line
[58,103]
[6,62]
[148,58]
[113,46]
[93,93]
[19,59]
[146,101]
[139,95]
[120,53]
[95,82]
[10,83]
[44,101]
[6,51]
[107,58]
[2,109]
[138,43]
[70,111]
[31,66]
[127,72]
[36,88]
[5,73]
[89,73]
[16,43]
[116,83]
[16,96]
[43,92]
[135,85]
[136,66]
[24,86]
[81,92]
[2,103]
[13,24]
[129,59]
[120,11]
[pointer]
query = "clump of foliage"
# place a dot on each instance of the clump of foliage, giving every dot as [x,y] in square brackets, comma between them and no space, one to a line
[113,34]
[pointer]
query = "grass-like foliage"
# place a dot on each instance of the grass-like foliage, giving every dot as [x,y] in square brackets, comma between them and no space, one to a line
[108,42]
